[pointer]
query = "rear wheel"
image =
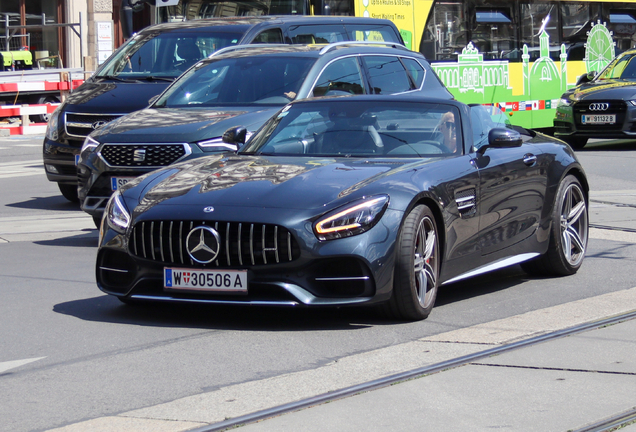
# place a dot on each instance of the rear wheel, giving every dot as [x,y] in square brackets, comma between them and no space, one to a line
[576,142]
[69,192]
[416,267]
[568,236]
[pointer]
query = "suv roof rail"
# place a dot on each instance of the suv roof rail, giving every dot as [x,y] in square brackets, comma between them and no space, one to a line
[241,47]
[334,45]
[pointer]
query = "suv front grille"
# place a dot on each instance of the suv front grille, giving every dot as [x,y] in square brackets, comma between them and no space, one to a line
[80,125]
[143,155]
[241,244]
[617,107]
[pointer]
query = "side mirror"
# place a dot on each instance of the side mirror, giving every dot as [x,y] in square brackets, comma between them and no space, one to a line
[586,78]
[235,135]
[153,99]
[504,138]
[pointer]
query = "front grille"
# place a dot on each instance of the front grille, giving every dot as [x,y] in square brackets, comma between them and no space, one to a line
[143,155]
[617,107]
[80,125]
[241,244]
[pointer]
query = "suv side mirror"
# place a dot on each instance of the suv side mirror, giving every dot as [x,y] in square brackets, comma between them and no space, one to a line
[235,135]
[153,99]
[586,78]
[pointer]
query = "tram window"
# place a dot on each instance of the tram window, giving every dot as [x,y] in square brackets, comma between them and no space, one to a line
[446,32]
[576,22]
[537,18]
[493,33]
[622,24]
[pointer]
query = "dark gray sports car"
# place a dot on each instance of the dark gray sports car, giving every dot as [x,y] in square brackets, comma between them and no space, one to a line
[602,105]
[349,201]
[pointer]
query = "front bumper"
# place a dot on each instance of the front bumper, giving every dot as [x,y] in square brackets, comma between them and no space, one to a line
[349,271]
[59,160]
[568,122]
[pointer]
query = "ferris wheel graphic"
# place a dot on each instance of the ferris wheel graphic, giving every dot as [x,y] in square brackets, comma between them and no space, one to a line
[599,48]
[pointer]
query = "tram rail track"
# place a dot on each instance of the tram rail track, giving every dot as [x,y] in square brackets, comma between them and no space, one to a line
[605,425]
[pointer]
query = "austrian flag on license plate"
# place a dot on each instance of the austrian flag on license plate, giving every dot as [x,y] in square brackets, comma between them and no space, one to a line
[234,281]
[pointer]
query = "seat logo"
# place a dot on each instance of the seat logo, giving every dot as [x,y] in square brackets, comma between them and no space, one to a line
[98,124]
[139,155]
[599,106]
[203,244]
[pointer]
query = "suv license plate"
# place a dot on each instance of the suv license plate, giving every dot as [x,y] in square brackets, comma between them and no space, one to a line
[599,119]
[117,182]
[234,281]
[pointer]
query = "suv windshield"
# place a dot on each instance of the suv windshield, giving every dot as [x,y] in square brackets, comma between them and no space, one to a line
[239,81]
[623,67]
[144,56]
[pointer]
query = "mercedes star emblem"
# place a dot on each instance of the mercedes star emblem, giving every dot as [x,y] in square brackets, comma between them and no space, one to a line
[203,244]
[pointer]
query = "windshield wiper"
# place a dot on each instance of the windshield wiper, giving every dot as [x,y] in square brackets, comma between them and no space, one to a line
[159,78]
[115,78]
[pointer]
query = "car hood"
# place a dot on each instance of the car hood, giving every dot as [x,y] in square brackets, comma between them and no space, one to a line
[113,97]
[303,183]
[606,89]
[156,125]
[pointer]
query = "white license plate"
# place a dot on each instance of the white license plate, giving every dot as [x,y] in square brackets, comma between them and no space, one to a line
[599,119]
[117,182]
[234,281]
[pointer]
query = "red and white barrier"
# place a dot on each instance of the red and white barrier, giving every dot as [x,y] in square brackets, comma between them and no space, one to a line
[39,86]
[26,110]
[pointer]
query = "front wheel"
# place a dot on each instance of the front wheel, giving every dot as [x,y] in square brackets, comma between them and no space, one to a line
[416,267]
[69,192]
[568,236]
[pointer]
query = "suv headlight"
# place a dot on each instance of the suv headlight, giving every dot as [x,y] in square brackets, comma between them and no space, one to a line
[351,219]
[215,145]
[564,102]
[117,214]
[53,124]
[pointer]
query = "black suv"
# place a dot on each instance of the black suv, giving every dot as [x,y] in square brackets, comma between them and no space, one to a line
[243,86]
[156,56]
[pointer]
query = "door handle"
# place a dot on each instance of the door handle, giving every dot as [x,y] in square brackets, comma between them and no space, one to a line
[529,159]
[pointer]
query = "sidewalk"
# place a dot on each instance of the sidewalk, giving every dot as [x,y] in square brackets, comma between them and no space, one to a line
[559,385]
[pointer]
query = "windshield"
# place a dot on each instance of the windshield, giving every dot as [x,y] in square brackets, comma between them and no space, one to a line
[622,67]
[360,128]
[239,81]
[164,55]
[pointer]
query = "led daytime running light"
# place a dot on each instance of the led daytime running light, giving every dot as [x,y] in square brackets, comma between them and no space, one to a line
[321,230]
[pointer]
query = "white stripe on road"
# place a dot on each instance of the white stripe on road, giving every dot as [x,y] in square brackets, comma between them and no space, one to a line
[21,168]
[8,365]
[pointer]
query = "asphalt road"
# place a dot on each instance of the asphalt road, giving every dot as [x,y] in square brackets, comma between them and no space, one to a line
[69,353]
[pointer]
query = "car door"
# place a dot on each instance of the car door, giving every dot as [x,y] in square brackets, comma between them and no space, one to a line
[512,187]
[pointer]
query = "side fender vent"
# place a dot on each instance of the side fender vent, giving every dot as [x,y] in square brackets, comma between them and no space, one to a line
[466,202]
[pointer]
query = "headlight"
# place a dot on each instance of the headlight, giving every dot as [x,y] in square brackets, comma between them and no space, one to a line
[53,124]
[89,144]
[352,219]
[632,102]
[215,145]
[564,102]
[117,215]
